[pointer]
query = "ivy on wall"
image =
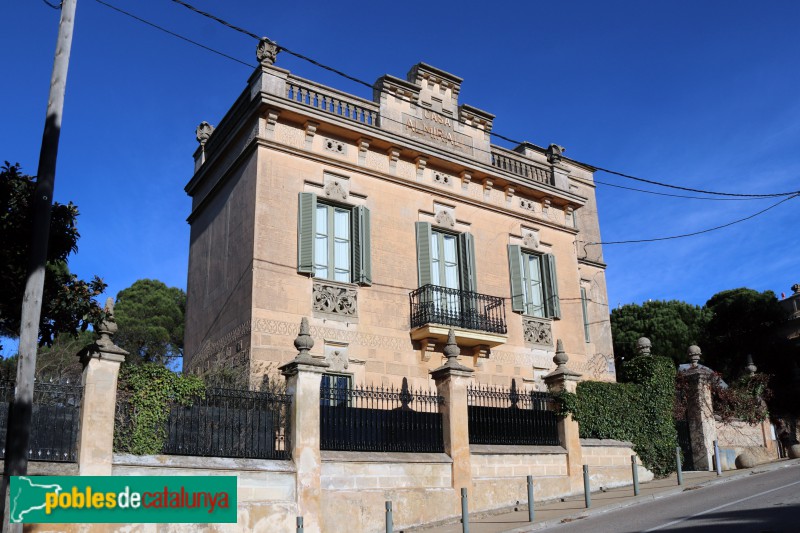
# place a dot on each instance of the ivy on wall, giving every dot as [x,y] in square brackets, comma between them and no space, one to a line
[145,393]
[639,410]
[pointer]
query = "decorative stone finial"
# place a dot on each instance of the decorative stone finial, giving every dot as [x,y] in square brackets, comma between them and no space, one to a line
[203,132]
[643,346]
[304,342]
[267,51]
[555,153]
[750,367]
[107,328]
[796,288]
[451,351]
[560,358]
[562,374]
[694,354]
[103,347]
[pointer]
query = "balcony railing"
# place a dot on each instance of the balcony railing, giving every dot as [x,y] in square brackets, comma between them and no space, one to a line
[331,101]
[520,166]
[432,304]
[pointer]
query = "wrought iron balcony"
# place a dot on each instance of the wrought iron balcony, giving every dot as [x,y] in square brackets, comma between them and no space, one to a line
[465,310]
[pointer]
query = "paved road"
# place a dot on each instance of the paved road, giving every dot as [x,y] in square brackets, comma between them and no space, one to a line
[764,502]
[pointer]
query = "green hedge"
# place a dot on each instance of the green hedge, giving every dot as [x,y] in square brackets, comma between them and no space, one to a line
[638,410]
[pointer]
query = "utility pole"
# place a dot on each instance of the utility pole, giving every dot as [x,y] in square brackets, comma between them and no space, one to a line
[20,411]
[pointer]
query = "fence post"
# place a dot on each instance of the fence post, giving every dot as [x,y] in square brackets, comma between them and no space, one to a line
[700,411]
[678,464]
[635,472]
[564,379]
[303,377]
[101,362]
[587,489]
[530,498]
[452,380]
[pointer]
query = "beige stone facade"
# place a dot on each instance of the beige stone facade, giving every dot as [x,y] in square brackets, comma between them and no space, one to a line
[411,158]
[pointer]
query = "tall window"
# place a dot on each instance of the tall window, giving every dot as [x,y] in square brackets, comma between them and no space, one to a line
[445,259]
[584,299]
[334,389]
[534,287]
[333,241]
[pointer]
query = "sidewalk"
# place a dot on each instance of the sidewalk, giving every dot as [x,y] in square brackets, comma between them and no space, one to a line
[550,513]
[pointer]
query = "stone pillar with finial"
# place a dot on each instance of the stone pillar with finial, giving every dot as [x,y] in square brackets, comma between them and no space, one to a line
[452,380]
[303,378]
[700,411]
[564,379]
[268,79]
[101,361]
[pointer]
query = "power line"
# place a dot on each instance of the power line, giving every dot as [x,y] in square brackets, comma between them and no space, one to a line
[696,232]
[675,195]
[53,6]
[689,189]
[156,26]
[735,196]
[494,134]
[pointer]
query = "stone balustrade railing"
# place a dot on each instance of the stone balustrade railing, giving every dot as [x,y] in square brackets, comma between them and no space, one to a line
[520,166]
[331,101]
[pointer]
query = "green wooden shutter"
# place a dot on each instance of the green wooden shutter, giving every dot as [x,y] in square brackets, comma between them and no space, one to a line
[515,273]
[466,262]
[423,253]
[306,224]
[362,262]
[552,305]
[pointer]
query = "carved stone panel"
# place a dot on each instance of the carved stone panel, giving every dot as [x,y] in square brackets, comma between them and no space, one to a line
[335,300]
[537,331]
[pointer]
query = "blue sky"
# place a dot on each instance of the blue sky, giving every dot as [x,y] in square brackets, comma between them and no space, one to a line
[698,94]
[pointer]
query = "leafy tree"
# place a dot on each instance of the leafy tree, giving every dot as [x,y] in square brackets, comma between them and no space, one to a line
[68,303]
[742,323]
[671,326]
[58,361]
[747,322]
[150,317]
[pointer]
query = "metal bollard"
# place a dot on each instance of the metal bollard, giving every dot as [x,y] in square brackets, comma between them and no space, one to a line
[635,472]
[530,498]
[678,464]
[389,521]
[464,511]
[299,524]
[587,494]
[716,458]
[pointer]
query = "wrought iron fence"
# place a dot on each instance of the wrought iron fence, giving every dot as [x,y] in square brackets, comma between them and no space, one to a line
[376,419]
[432,304]
[54,421]
[222,423]
[231,423]
[511,417]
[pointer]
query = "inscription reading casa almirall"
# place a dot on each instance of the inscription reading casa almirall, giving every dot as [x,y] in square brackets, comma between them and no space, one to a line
[438,128]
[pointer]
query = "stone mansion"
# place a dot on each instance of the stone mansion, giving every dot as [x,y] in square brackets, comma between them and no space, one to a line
[387,222]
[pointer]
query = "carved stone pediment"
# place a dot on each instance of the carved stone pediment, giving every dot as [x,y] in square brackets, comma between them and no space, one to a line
[537,331]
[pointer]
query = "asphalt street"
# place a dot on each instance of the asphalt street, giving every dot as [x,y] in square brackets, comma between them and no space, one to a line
[763,502]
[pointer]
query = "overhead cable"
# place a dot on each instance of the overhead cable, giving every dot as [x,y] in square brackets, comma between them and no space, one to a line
[695,232]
